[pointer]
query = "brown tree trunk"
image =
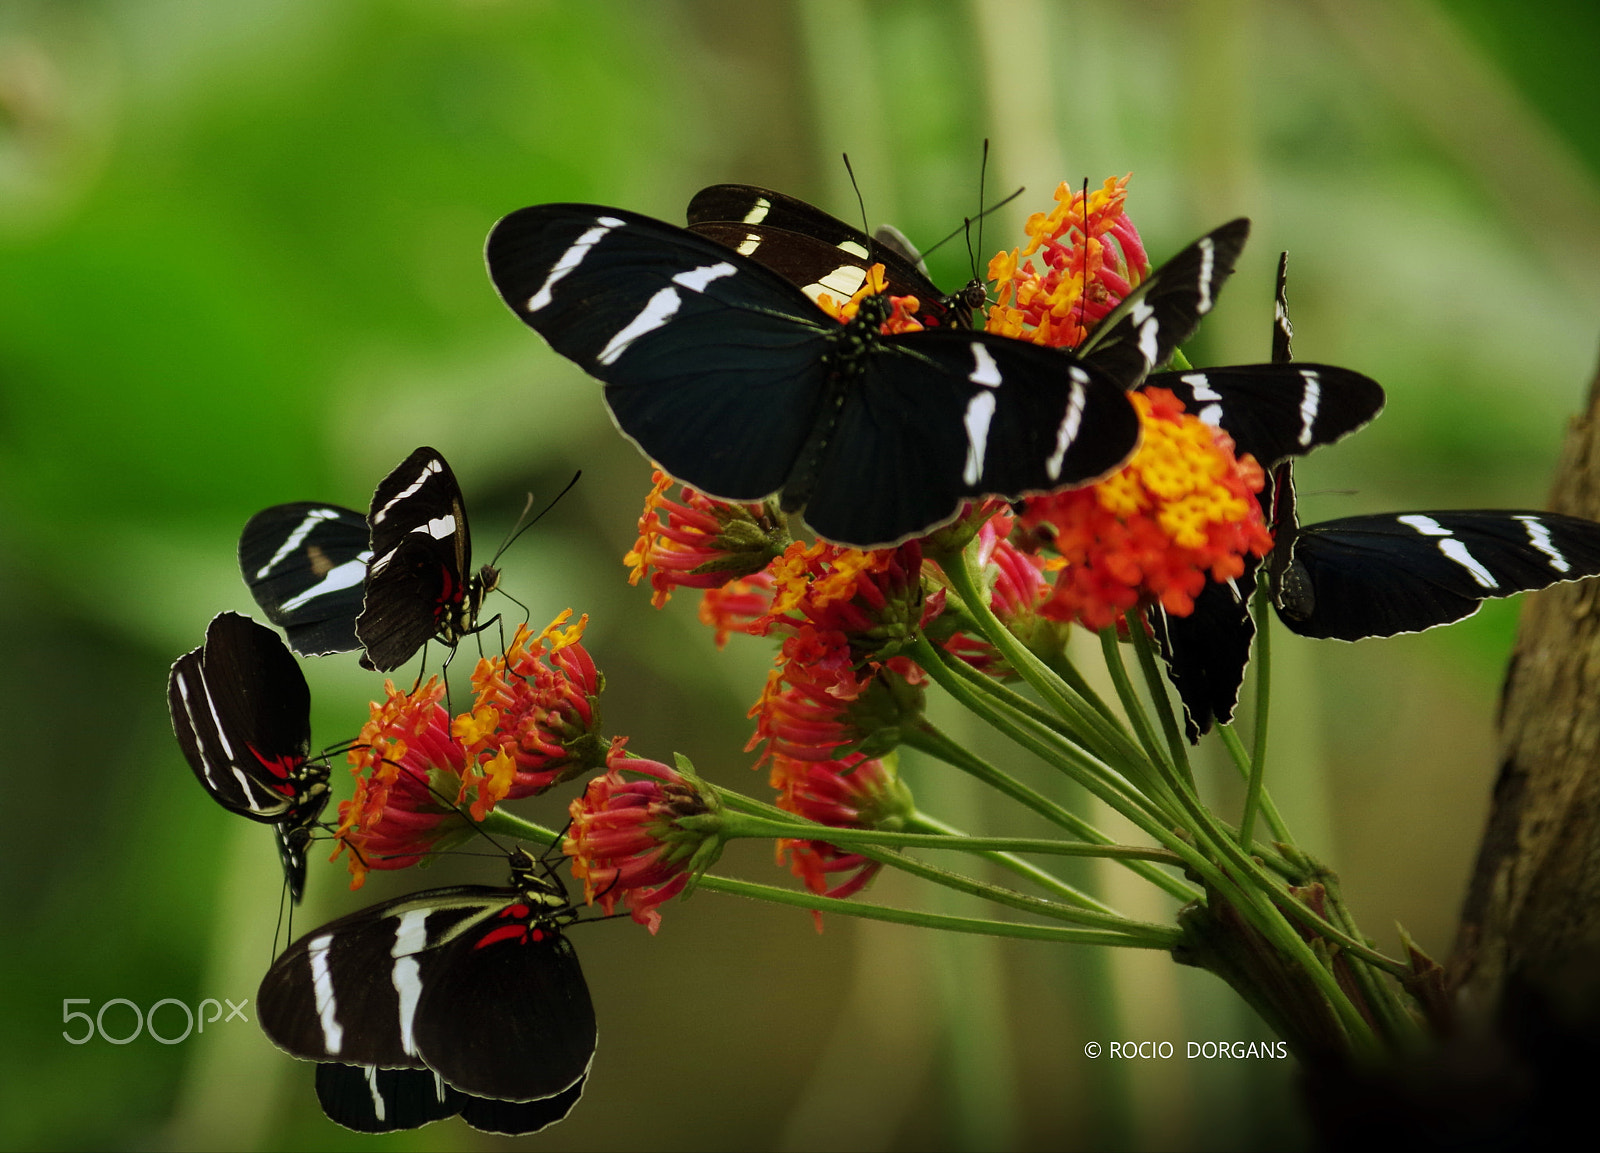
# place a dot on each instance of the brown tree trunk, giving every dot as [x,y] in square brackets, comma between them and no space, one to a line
[1529,938]
[1518,1065]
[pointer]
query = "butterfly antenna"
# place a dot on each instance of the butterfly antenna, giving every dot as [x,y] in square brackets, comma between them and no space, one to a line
[1083,292]
[860,204]
[983,176]
[519,528]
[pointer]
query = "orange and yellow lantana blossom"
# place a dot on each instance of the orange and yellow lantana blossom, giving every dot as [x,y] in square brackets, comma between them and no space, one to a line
[1092,258]
[423,779]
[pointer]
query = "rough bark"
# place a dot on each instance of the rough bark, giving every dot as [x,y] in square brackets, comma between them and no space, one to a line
[1530,928]
[1516,1065]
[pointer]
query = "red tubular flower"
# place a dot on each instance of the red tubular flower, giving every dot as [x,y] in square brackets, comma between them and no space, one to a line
[407,765]
[1181,510]
[853,793]
[628,841]
[818,704]
[536,720]
[738,606]
[1092,258]
[1020,585]
[699,542]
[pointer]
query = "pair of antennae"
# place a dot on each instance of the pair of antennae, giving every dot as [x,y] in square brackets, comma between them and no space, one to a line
[966,223]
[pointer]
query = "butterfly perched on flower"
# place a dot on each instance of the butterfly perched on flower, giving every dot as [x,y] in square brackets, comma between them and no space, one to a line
[386,582]
[739,385]
[242,714]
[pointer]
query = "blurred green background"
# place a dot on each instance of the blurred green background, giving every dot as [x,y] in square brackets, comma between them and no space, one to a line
[240,263]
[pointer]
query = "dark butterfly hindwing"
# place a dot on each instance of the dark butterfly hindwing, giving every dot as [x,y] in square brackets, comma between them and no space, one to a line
[305,564]
[242,714]
[1269,417]
[1165,308]
[372,1100]
[729,377]
[1391,573]
[819,252]
[474,983]
[419,583]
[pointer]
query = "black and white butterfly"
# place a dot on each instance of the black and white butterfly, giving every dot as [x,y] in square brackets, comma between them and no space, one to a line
[306,566]
[820,253]
[473,983]
[1390,573]
[1274,412]
[419,584]
[387,582]
[242,713]
[738,385]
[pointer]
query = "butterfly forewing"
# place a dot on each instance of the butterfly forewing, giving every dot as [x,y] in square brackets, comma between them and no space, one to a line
[242,714]
[305,564]
[703,354]
[418,582]
[1059,424]
[1164,310]
[349,991]
[1378,576]
[816,251]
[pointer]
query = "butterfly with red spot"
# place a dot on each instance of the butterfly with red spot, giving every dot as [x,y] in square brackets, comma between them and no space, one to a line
[472,983]
[242,714]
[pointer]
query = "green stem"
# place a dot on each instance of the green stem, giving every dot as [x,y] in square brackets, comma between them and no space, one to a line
[752,826]
[1041,877]
[931,741]
[1131,705]
[1241,759]
[1097,914]
[1043,740]
[1167,939]
[1100,734]
[1258,757]
[1176,745]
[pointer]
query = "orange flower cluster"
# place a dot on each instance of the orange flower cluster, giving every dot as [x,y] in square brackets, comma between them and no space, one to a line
[1092,258]
[1182,510]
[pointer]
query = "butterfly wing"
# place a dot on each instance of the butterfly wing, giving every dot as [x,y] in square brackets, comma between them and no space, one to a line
[304,564]
[945,416]
[242,714]
[1164,309]
[417,581]
[1276,411]
[816,251]
[527,1029]
[1378,576]
[474,983]
[372,1100]
[713,365]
